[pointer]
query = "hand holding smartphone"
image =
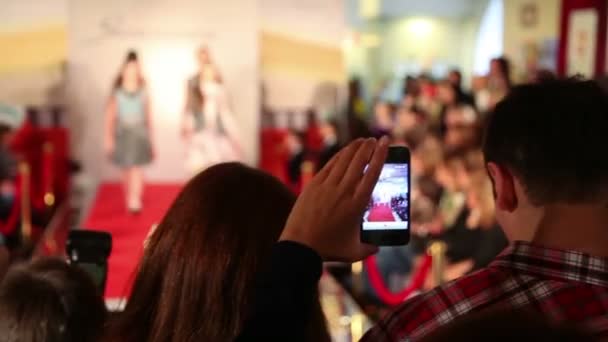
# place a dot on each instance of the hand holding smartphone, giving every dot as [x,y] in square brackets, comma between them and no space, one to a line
[90,250]
[386,220]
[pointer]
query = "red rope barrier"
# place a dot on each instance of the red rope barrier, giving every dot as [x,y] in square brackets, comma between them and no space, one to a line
[377,283]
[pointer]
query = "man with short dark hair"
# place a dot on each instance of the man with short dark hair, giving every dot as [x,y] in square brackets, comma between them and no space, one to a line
[544,153]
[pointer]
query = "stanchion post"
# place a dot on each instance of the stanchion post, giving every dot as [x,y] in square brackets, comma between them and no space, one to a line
[26,210]
[49,194]
[357,276]
[437,251]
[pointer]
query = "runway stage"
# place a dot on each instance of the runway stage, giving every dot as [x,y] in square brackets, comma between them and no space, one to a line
[128,231]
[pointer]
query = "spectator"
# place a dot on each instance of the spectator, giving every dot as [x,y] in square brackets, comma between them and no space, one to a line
[295,147]
[383,118]
[48,300]
[542,148]
[331,145]
[451,100]
[491,240]
[195,280]
[8,172]
[499,80]
[461,128]
[455,78]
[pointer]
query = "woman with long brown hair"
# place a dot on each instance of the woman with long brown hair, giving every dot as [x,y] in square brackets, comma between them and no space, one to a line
[128,129]
[194,282]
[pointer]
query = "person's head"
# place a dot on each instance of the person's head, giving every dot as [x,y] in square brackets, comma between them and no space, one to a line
[426,156]
[411,86]
[543,147]
[462,127]
[500,67]
[195,280]
[447,93]
[203,56]
[455,78]
[130,74]
[48,300]
[294,142]
[329,131]
[472,165]
[383,114]
[6,134]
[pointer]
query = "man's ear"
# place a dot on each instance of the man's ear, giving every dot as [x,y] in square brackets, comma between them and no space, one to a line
[504,187]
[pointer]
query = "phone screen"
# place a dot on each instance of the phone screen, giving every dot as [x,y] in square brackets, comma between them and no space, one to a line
[388,206]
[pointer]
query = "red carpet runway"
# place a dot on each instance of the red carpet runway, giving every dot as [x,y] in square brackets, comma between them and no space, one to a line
[381,213]
[128,231]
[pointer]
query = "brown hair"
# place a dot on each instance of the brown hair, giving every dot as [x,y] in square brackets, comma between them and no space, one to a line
[194,282]
[130,58]
[49,300]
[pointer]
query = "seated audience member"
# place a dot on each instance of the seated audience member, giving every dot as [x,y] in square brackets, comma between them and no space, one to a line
[499,80]
[543,151]
[331,144]
[8,172]
[461,128]
[425,158]
[195,280]
[455,78]
[48,300]
[383,118]
[295,151]
[481,94]
[410,125]
[491,240]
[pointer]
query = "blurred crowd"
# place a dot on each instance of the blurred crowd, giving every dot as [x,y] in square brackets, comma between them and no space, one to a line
[441,121]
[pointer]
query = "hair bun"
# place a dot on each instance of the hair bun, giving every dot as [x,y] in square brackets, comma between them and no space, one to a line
[131,56]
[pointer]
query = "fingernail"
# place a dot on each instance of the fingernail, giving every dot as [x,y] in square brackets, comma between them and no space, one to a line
[384,141]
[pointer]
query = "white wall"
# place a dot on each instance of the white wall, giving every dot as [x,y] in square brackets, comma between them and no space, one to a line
[517,35]
[423,42]
[320,21]
[310,25]
[20,14]
[166,34]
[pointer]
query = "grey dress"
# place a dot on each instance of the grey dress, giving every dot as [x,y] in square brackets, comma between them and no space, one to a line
[132,147]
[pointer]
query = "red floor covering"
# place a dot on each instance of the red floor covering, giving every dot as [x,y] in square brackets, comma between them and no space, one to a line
[381,213]
[128,231]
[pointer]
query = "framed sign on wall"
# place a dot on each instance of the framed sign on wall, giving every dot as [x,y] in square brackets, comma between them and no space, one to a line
[582,42]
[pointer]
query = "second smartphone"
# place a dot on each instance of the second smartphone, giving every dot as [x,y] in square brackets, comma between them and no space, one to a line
[386,221]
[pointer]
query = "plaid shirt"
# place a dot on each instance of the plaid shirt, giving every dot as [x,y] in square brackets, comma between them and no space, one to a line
[562,285]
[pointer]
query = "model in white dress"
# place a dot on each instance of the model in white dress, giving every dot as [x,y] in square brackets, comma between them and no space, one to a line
[215,133]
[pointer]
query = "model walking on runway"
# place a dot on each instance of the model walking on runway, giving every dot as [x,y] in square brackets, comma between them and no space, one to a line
[209,125]
[128,130]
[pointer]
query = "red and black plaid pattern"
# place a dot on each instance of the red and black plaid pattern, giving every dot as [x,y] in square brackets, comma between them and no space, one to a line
[562,285]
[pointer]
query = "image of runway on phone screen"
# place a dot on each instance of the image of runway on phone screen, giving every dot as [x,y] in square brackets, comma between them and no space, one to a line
[388,207]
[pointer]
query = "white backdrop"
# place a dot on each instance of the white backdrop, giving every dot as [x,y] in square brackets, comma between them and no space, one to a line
[166,34]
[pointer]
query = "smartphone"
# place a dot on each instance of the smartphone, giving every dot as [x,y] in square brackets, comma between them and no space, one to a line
[386,221]
[89,250]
